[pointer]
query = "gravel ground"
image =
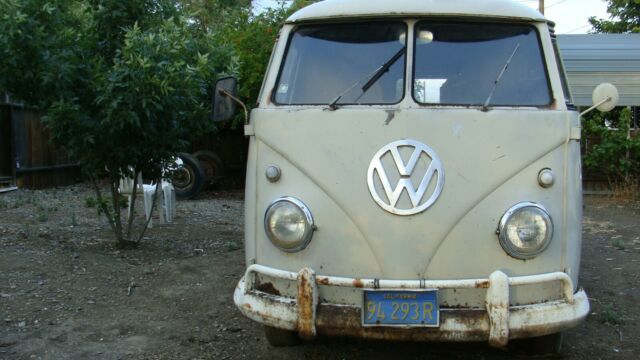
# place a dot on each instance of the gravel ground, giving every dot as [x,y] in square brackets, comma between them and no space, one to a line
[65,293]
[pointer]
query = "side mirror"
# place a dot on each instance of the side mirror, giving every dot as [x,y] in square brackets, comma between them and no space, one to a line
[605,98]
[606,95]
[224,107]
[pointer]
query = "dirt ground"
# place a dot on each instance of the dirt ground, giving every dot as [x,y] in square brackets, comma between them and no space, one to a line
[65,293]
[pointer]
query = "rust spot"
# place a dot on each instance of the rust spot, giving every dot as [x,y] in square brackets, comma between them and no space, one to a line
[347,321]
[302,282]
[247,306]
[358,283]
[306,311]
[269,302]
[268,288]
[484,284]
[323,281]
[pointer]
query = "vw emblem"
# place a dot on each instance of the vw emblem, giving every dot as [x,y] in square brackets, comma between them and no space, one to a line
[423,167]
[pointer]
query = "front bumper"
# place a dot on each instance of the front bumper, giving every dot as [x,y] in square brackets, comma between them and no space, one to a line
[496,323]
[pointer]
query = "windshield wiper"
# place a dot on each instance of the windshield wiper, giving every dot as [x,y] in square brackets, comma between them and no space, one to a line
[373,77]
[485,107]
[383,69]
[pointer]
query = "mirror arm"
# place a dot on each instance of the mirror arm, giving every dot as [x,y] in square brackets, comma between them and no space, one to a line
[237,101]
[595,106]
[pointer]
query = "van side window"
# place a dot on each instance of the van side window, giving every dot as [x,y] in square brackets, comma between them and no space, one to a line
[457,63]
[331,60]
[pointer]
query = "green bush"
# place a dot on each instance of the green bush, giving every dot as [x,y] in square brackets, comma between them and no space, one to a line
[617,154]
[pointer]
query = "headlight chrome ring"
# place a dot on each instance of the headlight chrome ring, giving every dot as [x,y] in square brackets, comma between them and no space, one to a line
[525,230]
[289,224]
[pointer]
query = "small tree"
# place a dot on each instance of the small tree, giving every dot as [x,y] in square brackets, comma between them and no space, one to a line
[625,17]
[208,15]
[124,85]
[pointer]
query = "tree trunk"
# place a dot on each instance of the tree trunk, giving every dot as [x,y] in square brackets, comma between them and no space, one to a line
[114,182]
[105,209]
[136,173]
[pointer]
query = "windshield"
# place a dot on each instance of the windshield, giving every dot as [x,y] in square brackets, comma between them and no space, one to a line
[462,63]
[324,62]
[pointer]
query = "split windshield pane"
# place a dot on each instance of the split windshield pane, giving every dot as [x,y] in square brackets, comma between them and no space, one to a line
[324,62]
[458,63]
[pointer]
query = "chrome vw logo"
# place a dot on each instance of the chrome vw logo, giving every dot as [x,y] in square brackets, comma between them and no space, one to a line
[423,167]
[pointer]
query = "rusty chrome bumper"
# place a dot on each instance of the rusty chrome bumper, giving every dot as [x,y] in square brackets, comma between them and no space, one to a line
[496,323]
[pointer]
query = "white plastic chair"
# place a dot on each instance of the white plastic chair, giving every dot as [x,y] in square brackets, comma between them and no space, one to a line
[166,201]
[166,198]
[126,189]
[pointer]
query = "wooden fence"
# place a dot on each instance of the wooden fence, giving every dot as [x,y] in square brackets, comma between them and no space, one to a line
[27,154]
[6,169]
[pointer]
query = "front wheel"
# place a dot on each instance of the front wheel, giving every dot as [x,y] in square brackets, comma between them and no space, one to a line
[189,177]
[279,337]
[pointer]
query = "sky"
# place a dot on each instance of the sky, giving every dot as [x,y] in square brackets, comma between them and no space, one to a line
[570,16]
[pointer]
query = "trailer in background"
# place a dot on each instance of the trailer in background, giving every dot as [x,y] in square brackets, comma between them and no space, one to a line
[217,160]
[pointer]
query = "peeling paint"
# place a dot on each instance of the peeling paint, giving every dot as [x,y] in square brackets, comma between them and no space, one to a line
[497,303]
[268,288]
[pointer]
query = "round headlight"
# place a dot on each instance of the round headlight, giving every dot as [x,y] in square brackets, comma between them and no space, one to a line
[289,224]
[525,230]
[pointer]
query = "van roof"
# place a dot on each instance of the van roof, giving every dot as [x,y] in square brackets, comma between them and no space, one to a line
[332,9]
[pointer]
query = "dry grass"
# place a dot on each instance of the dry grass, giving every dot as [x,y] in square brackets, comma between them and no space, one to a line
[626,190]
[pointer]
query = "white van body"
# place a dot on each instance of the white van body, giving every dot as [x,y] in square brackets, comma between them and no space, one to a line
[380,203]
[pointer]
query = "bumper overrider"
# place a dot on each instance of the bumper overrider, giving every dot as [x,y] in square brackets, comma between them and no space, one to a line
[496,323]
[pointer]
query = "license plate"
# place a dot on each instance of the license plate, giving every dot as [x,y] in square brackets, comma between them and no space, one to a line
[400,308]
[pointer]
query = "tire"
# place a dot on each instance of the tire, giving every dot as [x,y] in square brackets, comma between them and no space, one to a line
[541,345]
[188,179]
[279,337]
[212,165]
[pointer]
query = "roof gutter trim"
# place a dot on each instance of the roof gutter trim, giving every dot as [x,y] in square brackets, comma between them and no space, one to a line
[409,15]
